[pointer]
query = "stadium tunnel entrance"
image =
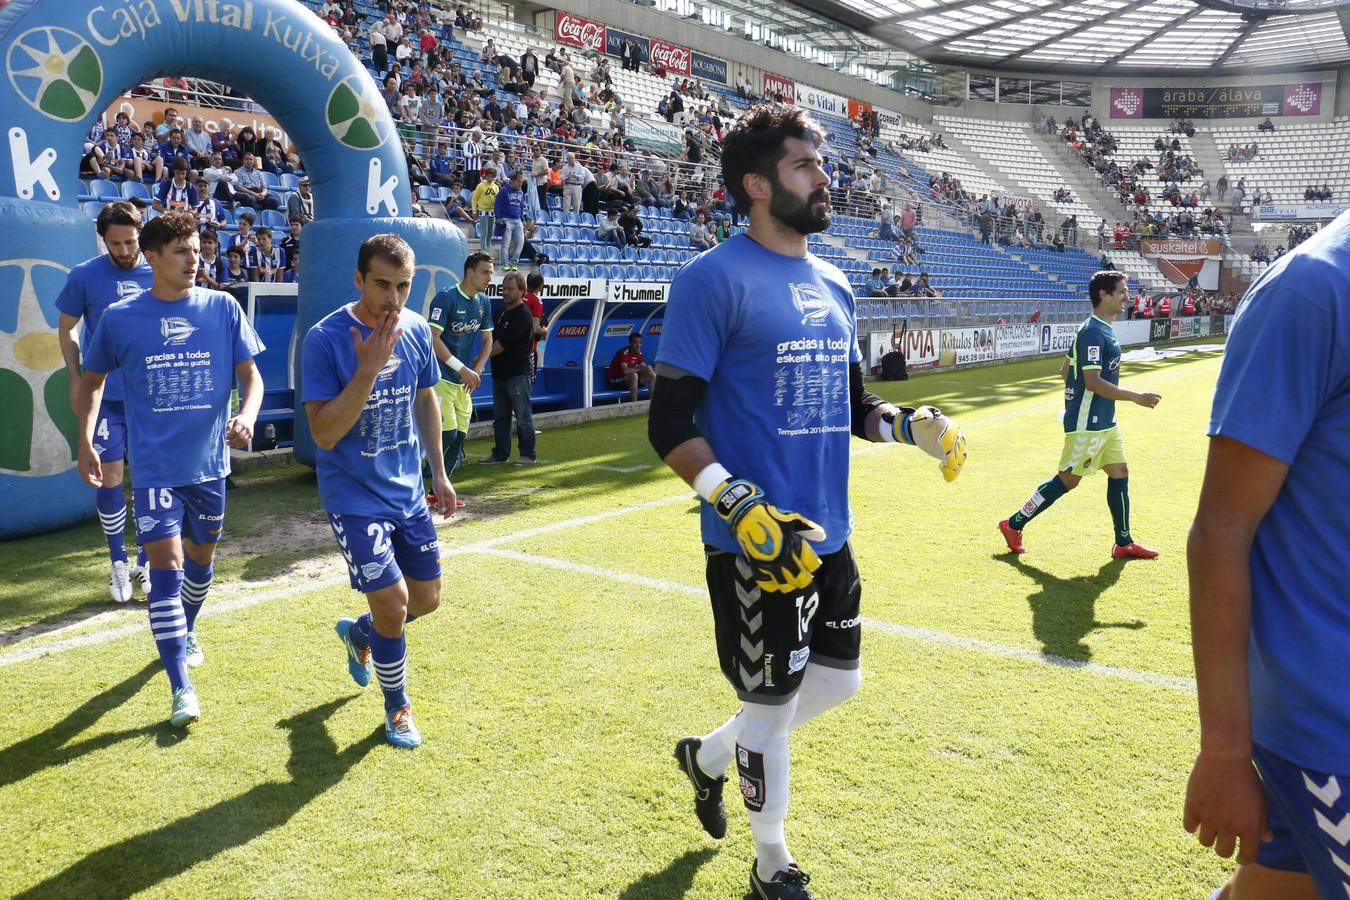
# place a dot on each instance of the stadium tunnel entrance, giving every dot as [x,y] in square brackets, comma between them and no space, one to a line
[65,62]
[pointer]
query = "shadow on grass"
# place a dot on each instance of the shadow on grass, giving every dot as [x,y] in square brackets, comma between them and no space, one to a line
[1063,610]
[141,862]
[62,618]
[672,881]
[53,747]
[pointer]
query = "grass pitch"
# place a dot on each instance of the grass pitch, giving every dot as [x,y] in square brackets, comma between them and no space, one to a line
[1025,726]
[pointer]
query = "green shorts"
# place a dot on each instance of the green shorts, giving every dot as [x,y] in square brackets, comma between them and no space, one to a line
[1087,451]
[456,405]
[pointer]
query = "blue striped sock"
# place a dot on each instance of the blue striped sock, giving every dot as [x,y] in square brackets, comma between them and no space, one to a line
[390,656]
[196,582]
[168,624]
[142,560]
[112,515]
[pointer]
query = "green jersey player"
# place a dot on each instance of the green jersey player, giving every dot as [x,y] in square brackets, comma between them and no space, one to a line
[1092,441]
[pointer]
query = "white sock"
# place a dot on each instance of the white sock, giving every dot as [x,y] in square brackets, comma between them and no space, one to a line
[763,764]
[714,754]
[824,688]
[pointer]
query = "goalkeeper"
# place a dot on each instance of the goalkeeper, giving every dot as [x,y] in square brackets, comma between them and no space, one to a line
[759,385]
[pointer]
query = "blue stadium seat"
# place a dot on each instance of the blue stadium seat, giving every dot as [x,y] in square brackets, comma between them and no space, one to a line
[271,180]
[588,219]
[632,273]
[571,234]
[271,218]
[647,272]
[587,234]
[289,181]
[133,189]
[585,270]
[571,218]
[567,271]
[566,253]
[100,189]
[91,208]
[426,192]
[610,253]
[548,270]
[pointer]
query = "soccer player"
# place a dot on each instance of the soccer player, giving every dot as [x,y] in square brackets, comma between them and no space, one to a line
[456,316]
[368,388]
[759,384]
[1268,556]
[1091,373]
[179,348]
[92,287]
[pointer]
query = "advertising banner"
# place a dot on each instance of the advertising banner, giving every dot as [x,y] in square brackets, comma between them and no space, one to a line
[614,40]
[821,101]
[1202,327]
[674,58]
[579,32]
[1057,337]
[557,288]
[655,134]
[639,291]
[1017,340]
[857,107]
[777,84]
[1159,330]
[1131,331]
[1178,247]
[1290,212]
[886,117]
[1210,102]
[919,347]
[708,68]
[144,109]
[1185,258]
[959,346]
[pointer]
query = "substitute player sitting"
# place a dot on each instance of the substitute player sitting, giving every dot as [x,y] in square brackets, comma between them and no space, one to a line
[759,385]
[369,378]
[179,348]
[628,369]
[1091,374]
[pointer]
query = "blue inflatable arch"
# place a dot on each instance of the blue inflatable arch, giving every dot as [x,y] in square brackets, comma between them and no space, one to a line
[65,62]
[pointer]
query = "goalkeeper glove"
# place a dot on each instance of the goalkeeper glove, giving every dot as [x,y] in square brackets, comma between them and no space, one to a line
[935,434]
[774,541]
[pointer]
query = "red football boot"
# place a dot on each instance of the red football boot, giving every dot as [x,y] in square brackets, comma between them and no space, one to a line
[1013,537]
[1132,551]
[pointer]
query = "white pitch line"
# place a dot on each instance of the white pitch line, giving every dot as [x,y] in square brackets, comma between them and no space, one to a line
[54,648]
[913,632]
[624,470]
[94,638]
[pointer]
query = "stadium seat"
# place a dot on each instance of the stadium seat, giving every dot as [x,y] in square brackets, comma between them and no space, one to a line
[588,219]
[271,180]
[271,218]
[548,270]
[571,235]
[567,271]
[289,181]
[610,253]
[647,272]
[132,190]
[426,192]
[566,253]
[91,208]
[101,189]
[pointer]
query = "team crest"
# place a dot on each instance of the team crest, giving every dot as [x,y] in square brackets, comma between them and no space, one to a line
[797,660]
[390,367]
[176,330]
[811,303]
[146,523]
[372,570]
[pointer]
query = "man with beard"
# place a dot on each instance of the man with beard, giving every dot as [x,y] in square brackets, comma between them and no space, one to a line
[92,287]
[746,321]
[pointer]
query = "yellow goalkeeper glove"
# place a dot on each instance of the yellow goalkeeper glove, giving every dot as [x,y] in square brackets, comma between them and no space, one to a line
[775,541]
[935,434]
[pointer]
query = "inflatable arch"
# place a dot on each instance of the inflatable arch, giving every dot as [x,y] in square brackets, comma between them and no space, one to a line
[65,62]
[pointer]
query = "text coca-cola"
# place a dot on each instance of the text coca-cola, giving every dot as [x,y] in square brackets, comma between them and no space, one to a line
[579,32]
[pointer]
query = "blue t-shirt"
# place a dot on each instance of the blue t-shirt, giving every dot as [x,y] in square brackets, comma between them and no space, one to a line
[459,318]
[1284,390]
[376,468]
[510,203]
[1094,347]
[92,287]
[773,336]
[177,360]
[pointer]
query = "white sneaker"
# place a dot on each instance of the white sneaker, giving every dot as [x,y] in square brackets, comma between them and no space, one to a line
[186,710]
[119,582]
[142,576]
[195,656]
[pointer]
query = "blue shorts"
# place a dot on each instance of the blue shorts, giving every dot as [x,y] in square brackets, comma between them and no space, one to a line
[110,432]
[1309,814]
[195,510]
[381,551]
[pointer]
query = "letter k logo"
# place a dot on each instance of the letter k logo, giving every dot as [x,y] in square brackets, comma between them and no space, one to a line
[28,171]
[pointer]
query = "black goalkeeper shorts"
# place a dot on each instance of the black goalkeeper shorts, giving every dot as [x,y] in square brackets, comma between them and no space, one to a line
[764,640]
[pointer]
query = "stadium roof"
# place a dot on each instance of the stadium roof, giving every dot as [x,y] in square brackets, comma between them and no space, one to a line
[1129,37]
